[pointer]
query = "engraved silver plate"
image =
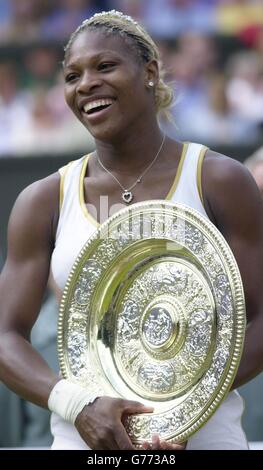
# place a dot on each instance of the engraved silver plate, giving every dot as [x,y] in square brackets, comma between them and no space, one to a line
[154,311]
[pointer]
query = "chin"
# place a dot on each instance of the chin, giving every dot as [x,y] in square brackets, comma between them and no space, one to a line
[105,132]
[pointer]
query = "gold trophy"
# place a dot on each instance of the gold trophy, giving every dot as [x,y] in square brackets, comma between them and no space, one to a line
[154,311]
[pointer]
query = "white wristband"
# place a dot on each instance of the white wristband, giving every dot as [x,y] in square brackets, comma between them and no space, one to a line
[68,400]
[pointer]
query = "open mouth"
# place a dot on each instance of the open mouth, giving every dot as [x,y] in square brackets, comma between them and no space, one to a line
[96,106]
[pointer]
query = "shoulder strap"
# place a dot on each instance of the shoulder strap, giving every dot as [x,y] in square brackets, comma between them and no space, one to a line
[63,171]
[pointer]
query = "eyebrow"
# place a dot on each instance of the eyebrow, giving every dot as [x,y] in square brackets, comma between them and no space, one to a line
[93,58]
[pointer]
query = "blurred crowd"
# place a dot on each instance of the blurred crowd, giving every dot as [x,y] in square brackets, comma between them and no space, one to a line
[212,51]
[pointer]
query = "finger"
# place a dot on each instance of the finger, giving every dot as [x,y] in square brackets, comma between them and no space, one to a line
[122,439]
[156,444]
[133,407]
[166,445]
[146,445]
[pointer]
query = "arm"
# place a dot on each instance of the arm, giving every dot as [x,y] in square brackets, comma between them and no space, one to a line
[234,203]
[22,285]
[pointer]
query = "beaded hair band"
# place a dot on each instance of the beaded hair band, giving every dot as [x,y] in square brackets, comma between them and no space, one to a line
[112,13]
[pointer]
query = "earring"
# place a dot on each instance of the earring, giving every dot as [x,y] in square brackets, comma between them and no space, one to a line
[151,84]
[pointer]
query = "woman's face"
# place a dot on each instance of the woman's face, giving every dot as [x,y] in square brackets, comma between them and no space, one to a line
[106,85]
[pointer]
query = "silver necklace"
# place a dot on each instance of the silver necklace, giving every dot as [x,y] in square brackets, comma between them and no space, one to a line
[127,195]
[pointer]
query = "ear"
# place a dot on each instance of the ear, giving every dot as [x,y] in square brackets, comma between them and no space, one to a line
[151,73]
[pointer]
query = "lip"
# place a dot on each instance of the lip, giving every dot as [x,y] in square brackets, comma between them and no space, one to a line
[97,116]
[87,100]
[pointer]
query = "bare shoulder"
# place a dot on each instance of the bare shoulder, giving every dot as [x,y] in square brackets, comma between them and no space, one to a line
[228,188]
[220,169]
[43,192]
[36,210]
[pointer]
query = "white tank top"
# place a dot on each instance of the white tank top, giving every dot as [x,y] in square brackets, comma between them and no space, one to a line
[76,225]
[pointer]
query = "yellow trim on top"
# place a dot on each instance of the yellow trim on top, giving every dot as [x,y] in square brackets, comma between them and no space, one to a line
[81,193]
[62,171]
[199,173]
[178,172]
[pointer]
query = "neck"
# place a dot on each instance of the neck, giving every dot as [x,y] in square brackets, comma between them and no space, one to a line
[132,152]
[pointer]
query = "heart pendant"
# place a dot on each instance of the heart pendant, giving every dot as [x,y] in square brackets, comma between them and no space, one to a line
[127,197]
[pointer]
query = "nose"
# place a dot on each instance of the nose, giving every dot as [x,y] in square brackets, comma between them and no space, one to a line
[88,82]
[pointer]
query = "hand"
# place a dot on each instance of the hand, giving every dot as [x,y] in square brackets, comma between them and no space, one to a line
[157,444]
[100,423]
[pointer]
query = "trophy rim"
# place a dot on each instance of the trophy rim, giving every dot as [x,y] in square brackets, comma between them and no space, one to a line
[236,286]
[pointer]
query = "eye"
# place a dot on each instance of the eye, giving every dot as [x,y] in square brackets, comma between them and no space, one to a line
[70,77]
[105,66]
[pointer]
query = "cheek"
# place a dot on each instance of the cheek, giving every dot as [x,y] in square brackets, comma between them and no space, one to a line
[132,83]
[135,92]
[69,99]
[67,96]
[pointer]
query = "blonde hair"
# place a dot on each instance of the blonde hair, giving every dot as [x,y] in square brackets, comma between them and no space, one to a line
[116,22]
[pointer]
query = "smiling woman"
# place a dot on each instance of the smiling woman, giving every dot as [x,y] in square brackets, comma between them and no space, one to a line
[114,86]
[123,66]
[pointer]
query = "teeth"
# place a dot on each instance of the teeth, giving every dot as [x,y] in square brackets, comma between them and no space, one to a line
[95,104]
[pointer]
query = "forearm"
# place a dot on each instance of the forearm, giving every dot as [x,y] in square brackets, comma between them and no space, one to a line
[252,358]
[24,371]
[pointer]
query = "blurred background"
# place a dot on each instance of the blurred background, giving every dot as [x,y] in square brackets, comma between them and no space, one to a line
[212,51]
